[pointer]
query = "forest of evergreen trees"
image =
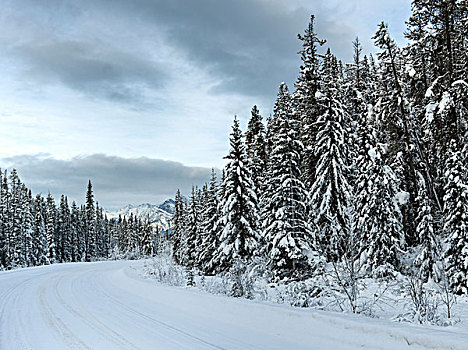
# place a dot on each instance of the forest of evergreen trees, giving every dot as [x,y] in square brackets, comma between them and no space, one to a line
[363,162]
[35,231]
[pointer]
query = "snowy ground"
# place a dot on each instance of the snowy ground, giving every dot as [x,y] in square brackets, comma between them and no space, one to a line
[107,305]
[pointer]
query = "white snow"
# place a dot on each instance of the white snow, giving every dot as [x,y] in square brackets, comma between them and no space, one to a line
[372,153]
[430,108]
[402,197]
[410,71]
[158,214]
[445,102]
[106,305]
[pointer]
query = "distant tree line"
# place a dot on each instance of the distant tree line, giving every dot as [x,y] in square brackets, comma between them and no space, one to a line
[38,231]
[365,160]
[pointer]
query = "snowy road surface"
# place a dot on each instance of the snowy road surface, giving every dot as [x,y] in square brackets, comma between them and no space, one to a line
[106,305]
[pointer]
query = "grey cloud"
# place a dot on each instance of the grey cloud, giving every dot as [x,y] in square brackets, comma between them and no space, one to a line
[91,67]
[116,181]
[249,46]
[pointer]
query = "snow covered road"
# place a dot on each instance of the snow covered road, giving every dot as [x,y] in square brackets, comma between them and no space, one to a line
[105,305]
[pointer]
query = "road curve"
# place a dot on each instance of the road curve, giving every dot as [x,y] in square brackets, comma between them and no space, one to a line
[105,305]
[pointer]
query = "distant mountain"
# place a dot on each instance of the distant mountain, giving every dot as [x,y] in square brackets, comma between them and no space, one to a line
[159,215]
[168,205]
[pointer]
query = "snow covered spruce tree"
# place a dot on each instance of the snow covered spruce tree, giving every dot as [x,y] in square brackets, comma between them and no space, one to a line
[375,186]
[330,192]
[209,226]
[76,234]
[51,228]
[255,144]
[429,255]
[147,245]
[188,254]
[178,227]
[395,127]
[239,218]
[304,98]
[286,231]
[380,219]
[4,222]
[456,221]
[359,93]
[90,251]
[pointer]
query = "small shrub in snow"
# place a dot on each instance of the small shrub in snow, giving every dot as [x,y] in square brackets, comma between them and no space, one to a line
[423,301]
[241,281]
[301,294]
[190,279]
[164,270]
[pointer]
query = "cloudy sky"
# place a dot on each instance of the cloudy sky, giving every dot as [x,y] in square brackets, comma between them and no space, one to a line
[139,95]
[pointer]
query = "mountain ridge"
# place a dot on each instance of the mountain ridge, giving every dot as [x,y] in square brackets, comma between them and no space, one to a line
[159,215]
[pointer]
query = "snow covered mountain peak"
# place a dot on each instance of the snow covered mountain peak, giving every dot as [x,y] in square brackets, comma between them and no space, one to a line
[159,215]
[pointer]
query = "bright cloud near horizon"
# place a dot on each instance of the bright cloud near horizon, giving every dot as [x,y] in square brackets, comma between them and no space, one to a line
[152,84]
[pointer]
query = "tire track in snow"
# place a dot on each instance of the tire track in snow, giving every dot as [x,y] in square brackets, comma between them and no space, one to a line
[160,323]
[147,326]
[92,321]
[20,335]
[55,323]
[6,298]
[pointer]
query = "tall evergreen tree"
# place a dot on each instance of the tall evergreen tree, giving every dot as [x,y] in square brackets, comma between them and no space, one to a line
[40,235]
[75,234]
[147,247]
[240,217]
[5,224]
[51,216]
[192,231]
[429,255]
[396,128]
[456,221]
[380,219]
[330,192]
[90,250]
[305,98]
[286,231]
[256,147]
[177,227]
[209,226]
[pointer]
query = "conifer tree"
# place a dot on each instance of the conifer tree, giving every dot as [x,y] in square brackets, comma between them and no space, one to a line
[51,228]
[177,227]
[15,240]
[286,231]
[192,231]
[429,255]
[330,193]
[240,217]
[64,230]
[147,247]
[90,250]
[305,98]
[456,221]
[82,237]
[40,236]
[27,210]
[396,128]
[380,219]
[106,239]
[5,225]
[256,147]
[209,226]
[100,232]
[75,234]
